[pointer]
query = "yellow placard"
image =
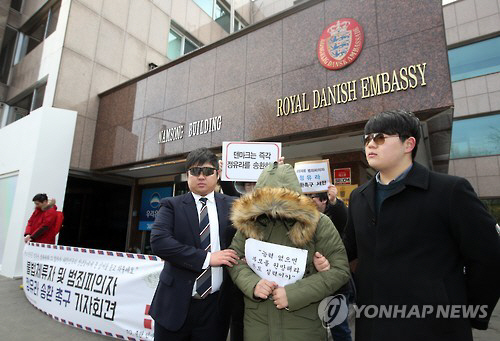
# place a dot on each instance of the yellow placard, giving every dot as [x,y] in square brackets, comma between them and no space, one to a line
[344,192]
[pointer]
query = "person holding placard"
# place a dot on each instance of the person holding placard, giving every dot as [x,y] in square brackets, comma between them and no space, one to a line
[277,212]
[238,189]
[426,248]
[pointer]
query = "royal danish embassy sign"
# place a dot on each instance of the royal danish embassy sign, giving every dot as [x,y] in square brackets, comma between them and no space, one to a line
[340,43]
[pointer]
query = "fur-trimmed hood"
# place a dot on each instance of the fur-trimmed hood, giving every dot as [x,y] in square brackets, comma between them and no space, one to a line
[278,197]
[51,202]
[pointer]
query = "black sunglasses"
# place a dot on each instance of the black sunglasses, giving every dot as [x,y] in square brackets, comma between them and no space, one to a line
[379,138]
[196,171]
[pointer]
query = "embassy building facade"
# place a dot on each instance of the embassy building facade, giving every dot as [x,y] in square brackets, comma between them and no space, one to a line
[308,77]
[308,74]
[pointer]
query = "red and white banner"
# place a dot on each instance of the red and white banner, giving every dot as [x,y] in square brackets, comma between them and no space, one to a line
[99,291]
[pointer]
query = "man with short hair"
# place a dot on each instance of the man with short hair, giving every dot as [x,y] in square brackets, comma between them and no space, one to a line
[328,203]
[42,225]
[421,239]
[191,233]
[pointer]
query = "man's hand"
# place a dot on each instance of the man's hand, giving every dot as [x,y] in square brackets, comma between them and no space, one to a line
[332,194]
[281,160]
[320,262]
[264,288]
[280,299]
[224,257]
[27,238]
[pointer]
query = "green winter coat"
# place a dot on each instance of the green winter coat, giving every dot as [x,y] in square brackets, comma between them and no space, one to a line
[277,212]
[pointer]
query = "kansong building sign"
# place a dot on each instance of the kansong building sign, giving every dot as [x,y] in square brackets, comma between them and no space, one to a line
[195,128]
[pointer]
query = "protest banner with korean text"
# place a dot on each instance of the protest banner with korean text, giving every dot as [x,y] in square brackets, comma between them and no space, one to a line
[276,263]
[244,161]
[314,176]
[103,292]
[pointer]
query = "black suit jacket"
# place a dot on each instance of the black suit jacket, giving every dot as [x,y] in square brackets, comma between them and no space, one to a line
[415,251]
[175,239]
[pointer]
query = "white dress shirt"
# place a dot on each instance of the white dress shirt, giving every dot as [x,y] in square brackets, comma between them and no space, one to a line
[214,238]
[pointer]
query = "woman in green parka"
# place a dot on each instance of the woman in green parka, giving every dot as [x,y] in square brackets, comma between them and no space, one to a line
[277,212]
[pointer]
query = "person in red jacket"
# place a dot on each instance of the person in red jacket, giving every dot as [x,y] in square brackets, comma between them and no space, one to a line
[42,225]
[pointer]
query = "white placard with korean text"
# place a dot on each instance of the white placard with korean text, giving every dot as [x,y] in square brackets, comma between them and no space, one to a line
[99,291]
[276,263]
[244,161]
[314,176]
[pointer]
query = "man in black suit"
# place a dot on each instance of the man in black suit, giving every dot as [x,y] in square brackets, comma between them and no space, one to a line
[425,245]
[191,233]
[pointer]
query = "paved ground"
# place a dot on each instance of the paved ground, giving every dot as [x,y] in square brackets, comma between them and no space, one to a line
[493,332]
[20,321]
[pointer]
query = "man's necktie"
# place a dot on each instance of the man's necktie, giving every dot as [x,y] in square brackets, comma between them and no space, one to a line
[204,281]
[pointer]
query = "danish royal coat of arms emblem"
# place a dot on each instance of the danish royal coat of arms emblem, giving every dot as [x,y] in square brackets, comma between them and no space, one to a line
[340,43]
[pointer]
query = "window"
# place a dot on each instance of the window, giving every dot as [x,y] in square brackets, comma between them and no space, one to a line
[20,109]
[53,19]
[7,52]
[16,5]
[479,136]
[238,25]
[174,45]
[189,46]
[206,5]
[38,95]
[222,16]
[178,44]
[474,60]
[220,11]
[34,36]
[43,28]
[25,105]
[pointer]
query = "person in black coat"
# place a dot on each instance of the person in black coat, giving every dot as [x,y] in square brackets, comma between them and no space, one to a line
[328,203]
[335,209]
[422,240]
[191,234]
[237,305]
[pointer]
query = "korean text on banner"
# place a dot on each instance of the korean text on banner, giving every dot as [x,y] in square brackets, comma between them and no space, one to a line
[314,176]
[276,263]
[104,292]
[244,161]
